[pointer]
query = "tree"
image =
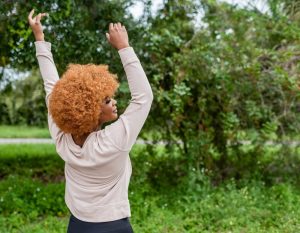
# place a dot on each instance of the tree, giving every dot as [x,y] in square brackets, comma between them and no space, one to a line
[75,28]
[233,82]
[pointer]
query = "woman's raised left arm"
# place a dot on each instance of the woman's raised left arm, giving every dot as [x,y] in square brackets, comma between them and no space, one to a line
[46,64]
[43,53]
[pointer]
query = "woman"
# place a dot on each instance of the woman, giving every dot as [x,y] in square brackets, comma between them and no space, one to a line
[97,163]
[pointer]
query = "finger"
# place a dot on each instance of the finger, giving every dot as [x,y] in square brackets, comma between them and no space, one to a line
[31,14]
[111,27]
[115,26]
[43,15]
[124,28]
[107,36]
[38,18]
[119,25]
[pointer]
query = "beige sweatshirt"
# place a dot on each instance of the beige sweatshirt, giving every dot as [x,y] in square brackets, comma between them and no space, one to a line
[98,173]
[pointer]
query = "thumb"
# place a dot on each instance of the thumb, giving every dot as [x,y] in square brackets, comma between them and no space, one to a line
[107,36]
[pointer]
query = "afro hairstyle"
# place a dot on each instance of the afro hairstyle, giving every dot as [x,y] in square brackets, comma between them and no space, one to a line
[76,100]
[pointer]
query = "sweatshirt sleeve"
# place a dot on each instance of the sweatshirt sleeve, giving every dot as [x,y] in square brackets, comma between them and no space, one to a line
[50,77]
[123,133]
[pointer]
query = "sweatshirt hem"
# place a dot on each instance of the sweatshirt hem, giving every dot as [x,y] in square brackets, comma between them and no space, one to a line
[102,213]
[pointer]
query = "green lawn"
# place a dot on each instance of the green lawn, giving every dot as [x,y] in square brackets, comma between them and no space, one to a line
[32,198]
[23,132]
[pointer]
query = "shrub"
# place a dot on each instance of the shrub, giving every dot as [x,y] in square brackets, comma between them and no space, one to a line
[228,96]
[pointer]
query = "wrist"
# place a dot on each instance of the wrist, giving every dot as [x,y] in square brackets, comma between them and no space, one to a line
[39,37]
[123,46]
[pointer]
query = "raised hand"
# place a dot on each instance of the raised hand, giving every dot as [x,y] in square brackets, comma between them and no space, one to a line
[117,36]
[36,26]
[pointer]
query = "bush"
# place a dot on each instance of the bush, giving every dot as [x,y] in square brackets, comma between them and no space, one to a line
[228,96]
[30,203]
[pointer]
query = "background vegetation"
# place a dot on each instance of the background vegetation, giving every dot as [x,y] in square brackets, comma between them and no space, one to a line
[32,191]
[226,108]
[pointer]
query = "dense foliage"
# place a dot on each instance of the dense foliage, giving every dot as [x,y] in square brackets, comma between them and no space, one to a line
[226,106]
[32,191]
[226,89]
[227,95]
[76,29]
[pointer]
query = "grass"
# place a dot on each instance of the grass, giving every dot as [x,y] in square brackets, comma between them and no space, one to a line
[11,151]
[23,132]
[251,208]
[31,160]
[32,192]
[47,224]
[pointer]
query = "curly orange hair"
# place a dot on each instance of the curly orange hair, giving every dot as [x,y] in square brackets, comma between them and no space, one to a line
[76,99]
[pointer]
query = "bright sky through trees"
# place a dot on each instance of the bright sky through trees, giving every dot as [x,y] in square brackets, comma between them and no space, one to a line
[137,9]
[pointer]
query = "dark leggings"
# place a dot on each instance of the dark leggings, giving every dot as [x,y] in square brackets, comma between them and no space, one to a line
[118,226]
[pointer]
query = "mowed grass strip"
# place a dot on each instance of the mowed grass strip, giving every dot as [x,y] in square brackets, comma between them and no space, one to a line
[13,131]
[27,150]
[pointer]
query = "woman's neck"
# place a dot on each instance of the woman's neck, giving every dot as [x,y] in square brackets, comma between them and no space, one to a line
[80,139]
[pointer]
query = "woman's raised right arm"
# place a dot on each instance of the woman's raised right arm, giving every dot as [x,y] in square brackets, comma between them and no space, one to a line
[124,132]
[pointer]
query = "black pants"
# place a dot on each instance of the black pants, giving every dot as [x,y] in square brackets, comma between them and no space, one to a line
[118,226]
